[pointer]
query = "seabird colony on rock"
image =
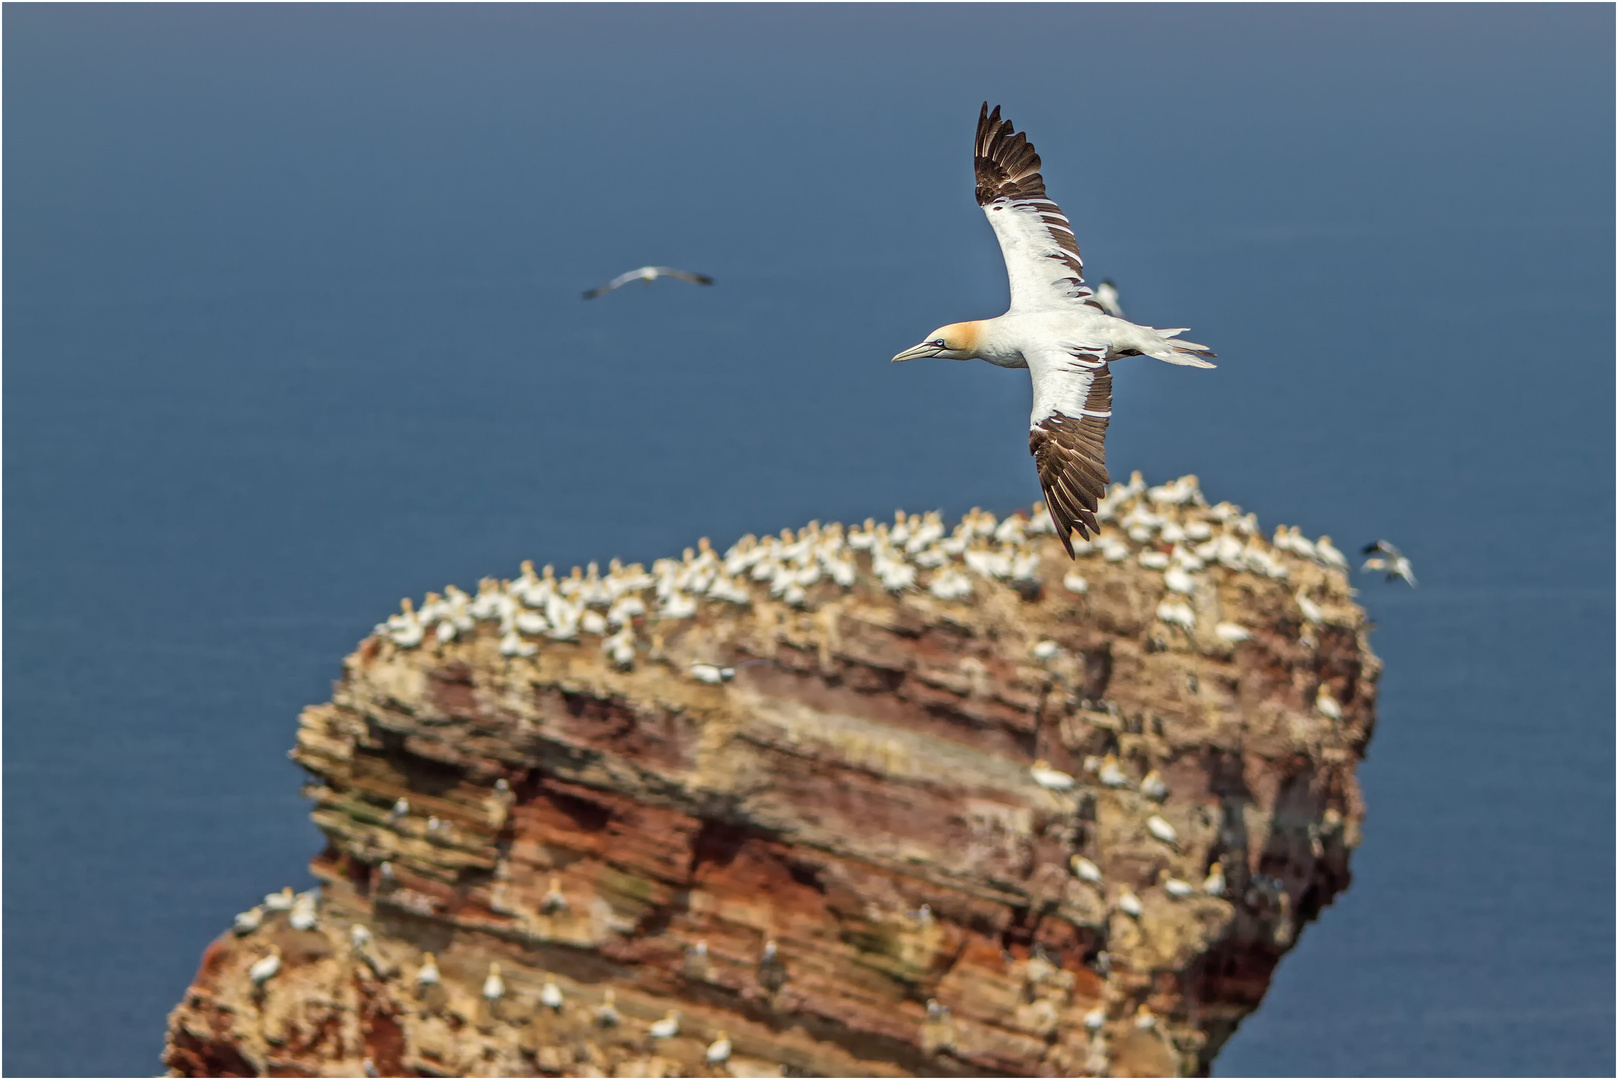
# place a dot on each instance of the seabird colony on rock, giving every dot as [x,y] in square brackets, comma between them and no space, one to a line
[1056,327]
[620,608]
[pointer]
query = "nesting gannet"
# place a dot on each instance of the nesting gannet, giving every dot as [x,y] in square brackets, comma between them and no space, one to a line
[1231,634]
[936,1011]
[550,995]
[769,953]
[1327,705]
[1044,650]
[1144,1020]
[1111,775]
[1387,559]
[1050,779]
[712,673]
[1162,830]
[554,901]
[666,1028]
[1311,610]
[1075,583]
[1050,329]
[1084,869]
[1179,615]
[302,916]
[1153,787]
[359,936]
[249,920]
[1328,554]
[1214,883]
[279,901]
[719,1050]
[648,274]
[401,807]
[1095,1019]
[513,645]
[924,915]
[427,975]
[494,987]
[1174,886]
[1129,903]
[607,1012]
[265,967]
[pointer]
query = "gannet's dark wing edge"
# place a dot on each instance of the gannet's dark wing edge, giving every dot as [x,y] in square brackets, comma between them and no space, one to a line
[1067,436]
[1041,252]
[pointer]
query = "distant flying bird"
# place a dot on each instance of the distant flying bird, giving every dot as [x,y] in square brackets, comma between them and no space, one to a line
[1388,560]
[1052,328]
[1106,298]
[648,274]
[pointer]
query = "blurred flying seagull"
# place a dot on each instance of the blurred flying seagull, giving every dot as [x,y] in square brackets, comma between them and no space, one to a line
[648,274]
[1388,559]
[1053,327]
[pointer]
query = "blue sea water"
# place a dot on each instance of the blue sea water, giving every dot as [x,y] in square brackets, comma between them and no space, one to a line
[292,328]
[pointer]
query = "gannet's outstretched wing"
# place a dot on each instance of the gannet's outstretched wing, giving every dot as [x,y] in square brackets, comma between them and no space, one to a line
[617,282]
[1042,256]
[683,275]
[1072,404]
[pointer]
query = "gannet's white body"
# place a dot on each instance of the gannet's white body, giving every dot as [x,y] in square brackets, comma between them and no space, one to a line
[1055,327]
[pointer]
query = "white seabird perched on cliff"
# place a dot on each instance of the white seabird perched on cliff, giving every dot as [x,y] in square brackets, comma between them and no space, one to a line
[648,274]
[494,987]
[1386,558]
[1162,830]
[554,901]
[1048,778]
[1084,869]
[1051,329]
[249,920]
[666,1028]
[265,967]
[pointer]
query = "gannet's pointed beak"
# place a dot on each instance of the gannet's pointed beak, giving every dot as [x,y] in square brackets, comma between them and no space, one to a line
[917,352]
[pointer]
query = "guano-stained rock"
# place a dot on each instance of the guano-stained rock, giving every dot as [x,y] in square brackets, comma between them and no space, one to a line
[828,845]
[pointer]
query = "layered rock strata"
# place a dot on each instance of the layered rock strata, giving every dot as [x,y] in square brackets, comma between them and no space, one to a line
[884,800]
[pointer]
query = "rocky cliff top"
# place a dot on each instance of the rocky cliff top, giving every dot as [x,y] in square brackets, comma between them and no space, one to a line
[872,800]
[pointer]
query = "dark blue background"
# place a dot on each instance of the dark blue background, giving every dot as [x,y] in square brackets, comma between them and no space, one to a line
[292,329]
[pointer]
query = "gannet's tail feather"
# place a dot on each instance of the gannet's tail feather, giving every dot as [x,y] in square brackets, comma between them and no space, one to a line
[1183,353]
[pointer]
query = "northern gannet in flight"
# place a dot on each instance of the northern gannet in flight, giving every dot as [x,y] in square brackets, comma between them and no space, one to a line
[1388,559]
[648,274]
[1055,327]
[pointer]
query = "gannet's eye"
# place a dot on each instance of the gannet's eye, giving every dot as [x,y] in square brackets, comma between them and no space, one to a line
[937,341]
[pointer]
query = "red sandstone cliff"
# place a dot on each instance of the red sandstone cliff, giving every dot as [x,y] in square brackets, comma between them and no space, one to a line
[835,858]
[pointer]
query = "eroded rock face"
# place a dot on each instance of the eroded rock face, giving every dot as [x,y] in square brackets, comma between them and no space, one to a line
[835,856]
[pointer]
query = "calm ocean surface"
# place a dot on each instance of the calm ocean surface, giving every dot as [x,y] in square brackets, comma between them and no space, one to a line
[292,329]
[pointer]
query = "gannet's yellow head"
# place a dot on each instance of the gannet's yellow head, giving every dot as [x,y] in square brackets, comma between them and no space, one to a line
[957,341]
